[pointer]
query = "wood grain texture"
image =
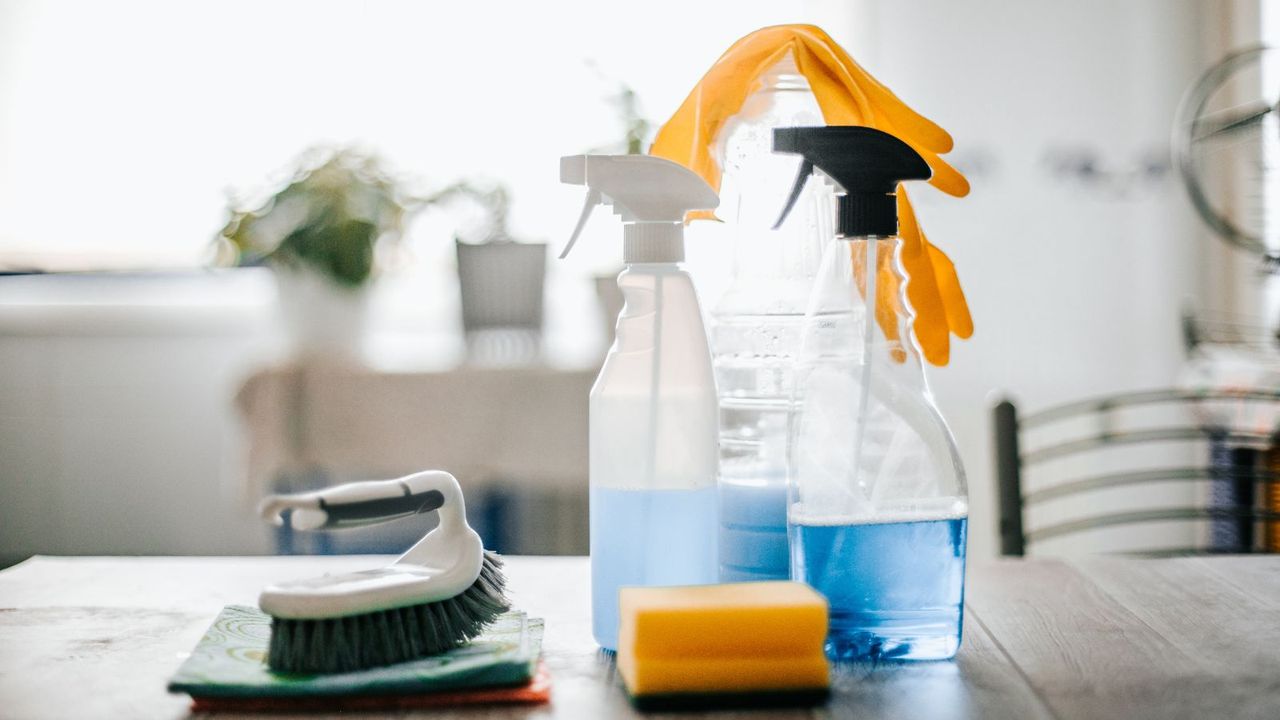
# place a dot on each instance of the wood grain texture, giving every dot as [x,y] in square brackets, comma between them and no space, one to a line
[1089,655]
[1232,634]
[1095,638]
[1255,575]
[980,683]
[91,661]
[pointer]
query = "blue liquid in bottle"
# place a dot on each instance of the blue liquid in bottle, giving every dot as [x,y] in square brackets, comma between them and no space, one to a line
[896,589]
[753,531]
[647,537]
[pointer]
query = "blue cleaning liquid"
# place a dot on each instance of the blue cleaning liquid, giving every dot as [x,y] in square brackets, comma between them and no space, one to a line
[895,589]
[647,537]
[753,531]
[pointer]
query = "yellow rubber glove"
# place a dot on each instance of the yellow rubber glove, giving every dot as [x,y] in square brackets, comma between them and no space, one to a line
[932,288]
[847,95]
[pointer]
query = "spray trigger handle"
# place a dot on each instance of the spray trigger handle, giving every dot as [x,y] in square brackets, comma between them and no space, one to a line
[866,163]
[594,198]
[806,169]
[650,194]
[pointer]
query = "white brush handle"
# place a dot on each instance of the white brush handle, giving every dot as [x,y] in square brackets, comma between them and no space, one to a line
[441,565]
[364,503]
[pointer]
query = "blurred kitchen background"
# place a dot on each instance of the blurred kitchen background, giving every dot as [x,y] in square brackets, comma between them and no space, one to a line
[150,395]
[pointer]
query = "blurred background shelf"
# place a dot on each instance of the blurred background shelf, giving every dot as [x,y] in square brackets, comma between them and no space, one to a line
[515,437]
[119,433]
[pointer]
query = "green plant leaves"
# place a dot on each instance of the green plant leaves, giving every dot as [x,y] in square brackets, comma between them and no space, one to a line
[341,249]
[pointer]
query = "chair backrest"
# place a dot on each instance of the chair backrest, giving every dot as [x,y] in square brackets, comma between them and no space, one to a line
[1238,464]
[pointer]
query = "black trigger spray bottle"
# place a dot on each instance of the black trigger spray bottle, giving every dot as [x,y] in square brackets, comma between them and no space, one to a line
[877,505]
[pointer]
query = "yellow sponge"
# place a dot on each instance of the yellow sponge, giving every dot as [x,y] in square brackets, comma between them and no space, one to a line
[723,645]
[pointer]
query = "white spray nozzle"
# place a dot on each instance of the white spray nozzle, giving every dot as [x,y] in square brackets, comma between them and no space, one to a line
[643,190]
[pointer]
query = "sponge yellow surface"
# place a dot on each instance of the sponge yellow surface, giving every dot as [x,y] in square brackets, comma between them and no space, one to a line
[735,638]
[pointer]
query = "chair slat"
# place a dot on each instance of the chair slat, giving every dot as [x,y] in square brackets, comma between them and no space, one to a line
[1141,516]
[1145,397]
[1132,437]
[1098,482]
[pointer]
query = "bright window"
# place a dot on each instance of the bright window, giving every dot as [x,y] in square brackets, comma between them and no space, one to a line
[123,124]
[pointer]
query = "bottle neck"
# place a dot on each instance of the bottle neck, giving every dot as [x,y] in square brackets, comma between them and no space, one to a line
[652,242]
[867,215]
[784,76]
[880,279]
[756,179]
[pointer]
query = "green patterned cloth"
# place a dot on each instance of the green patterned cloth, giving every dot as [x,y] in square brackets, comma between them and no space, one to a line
[230,661]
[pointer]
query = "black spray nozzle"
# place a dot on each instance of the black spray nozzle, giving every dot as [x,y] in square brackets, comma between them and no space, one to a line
[867,163]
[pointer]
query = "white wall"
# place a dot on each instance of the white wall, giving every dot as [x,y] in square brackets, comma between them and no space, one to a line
[117,431]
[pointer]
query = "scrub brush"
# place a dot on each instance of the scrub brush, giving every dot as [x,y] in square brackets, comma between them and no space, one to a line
[436,596]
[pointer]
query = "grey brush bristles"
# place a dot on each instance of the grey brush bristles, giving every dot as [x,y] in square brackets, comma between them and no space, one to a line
[385,637]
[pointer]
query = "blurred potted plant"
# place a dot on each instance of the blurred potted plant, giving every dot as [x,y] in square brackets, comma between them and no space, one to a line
[501,281]
[319,234]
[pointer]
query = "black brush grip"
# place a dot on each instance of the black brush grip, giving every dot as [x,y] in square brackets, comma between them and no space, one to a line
[370,512]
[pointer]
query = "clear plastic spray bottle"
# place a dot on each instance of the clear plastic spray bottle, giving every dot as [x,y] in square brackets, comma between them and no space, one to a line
[756,324]
[652,412]
[878,507]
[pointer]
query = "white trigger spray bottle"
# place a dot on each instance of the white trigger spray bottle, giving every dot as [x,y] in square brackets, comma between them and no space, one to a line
[653,412]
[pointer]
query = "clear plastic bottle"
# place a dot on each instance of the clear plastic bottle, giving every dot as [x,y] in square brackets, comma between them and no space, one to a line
[652,446]
[878,513]
[756,323]
[652,410]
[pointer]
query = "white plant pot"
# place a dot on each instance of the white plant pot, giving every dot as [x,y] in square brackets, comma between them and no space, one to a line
[323,321]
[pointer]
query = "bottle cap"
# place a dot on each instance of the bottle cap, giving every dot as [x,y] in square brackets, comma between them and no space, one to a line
[652,195]
[867,163]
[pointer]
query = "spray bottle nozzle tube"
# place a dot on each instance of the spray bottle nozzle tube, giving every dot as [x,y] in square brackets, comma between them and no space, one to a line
[867,163]
[651,194]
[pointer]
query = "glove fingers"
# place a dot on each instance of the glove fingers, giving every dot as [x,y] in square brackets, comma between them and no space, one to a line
[889,304]
[930,325]
[944,271]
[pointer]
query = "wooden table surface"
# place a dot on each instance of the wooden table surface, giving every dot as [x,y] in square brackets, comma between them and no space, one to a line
[1091,638]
